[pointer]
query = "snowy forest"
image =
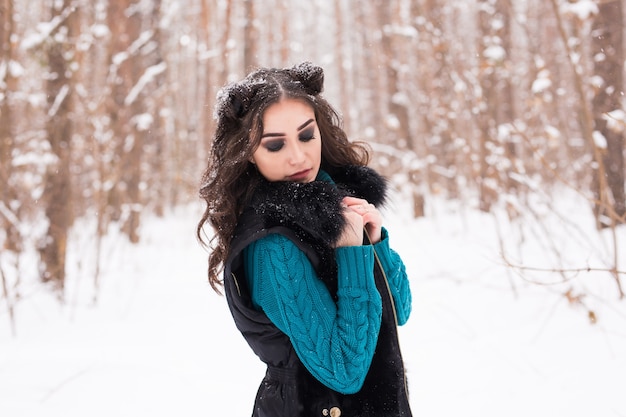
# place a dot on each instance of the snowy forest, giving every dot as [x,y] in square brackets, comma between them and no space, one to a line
[500,125]
[106,112]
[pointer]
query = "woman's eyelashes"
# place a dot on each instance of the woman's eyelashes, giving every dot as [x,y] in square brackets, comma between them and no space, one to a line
[307,135]
[276,145]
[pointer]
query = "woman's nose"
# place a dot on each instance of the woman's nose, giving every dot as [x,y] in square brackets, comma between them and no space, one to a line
[296,155]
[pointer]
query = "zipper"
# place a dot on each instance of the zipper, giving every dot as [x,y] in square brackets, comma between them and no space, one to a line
[382,271]
[393,308]
[236,283]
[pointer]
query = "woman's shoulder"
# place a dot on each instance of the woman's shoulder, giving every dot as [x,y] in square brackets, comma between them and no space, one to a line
[270,242]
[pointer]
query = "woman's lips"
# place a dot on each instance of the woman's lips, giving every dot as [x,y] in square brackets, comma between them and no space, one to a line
[298,176]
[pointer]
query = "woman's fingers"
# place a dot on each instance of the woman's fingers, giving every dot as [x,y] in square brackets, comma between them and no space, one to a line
[352,234]
[353,201]
[372,219]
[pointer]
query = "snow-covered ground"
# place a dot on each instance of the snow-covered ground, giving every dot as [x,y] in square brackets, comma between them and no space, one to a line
[481,341]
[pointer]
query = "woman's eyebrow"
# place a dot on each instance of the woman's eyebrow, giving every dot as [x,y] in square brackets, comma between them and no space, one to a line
[302,126]
[272,134]
[305,124]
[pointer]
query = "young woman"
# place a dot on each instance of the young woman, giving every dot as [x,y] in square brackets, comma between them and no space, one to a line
[308,273]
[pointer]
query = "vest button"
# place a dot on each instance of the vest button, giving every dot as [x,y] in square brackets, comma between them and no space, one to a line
[333,412]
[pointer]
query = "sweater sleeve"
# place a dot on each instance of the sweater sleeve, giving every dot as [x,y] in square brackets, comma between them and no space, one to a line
[334,340]
[396,277]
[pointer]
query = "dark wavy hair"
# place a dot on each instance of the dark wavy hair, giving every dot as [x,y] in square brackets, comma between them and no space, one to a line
[230,179]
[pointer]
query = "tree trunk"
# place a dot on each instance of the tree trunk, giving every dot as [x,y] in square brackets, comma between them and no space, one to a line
[206,96]
[117,116]
[134,143]
[496,109]
[8,85]
[125,106]
[58,186]
[487,115]
[369,82]
[155,135]
[340,57]
[608,54]
[397,106]
[284,30]
[224,43]
[251,34]
[506,98]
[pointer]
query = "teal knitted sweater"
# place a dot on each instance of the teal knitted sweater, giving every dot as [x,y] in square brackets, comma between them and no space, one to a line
[334,340]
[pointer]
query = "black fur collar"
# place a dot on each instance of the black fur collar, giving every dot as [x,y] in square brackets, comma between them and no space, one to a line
[313,210]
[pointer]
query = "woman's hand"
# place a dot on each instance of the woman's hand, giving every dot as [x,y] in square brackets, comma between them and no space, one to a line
[352,234]
[370,218]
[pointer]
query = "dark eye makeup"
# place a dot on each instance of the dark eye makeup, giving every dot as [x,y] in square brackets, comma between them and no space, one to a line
[274,145]
[307,135]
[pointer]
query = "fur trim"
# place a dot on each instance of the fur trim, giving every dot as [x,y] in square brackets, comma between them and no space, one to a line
[362,182]
[314,208]
[306,208]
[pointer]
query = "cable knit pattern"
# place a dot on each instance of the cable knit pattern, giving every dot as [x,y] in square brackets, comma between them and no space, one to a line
[396,277]
[335,341]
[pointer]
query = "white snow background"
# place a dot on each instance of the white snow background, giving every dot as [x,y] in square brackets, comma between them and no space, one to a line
[481,341]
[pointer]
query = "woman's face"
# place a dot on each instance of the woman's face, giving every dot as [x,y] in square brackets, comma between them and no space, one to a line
[291,146]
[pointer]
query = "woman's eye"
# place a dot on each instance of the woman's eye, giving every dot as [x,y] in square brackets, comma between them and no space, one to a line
[274,145]
[306,136]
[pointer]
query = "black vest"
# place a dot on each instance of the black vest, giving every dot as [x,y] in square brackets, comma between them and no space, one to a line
[311,216]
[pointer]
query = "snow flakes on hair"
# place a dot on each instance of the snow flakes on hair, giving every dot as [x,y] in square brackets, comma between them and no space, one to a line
[235,99]
[311,76]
